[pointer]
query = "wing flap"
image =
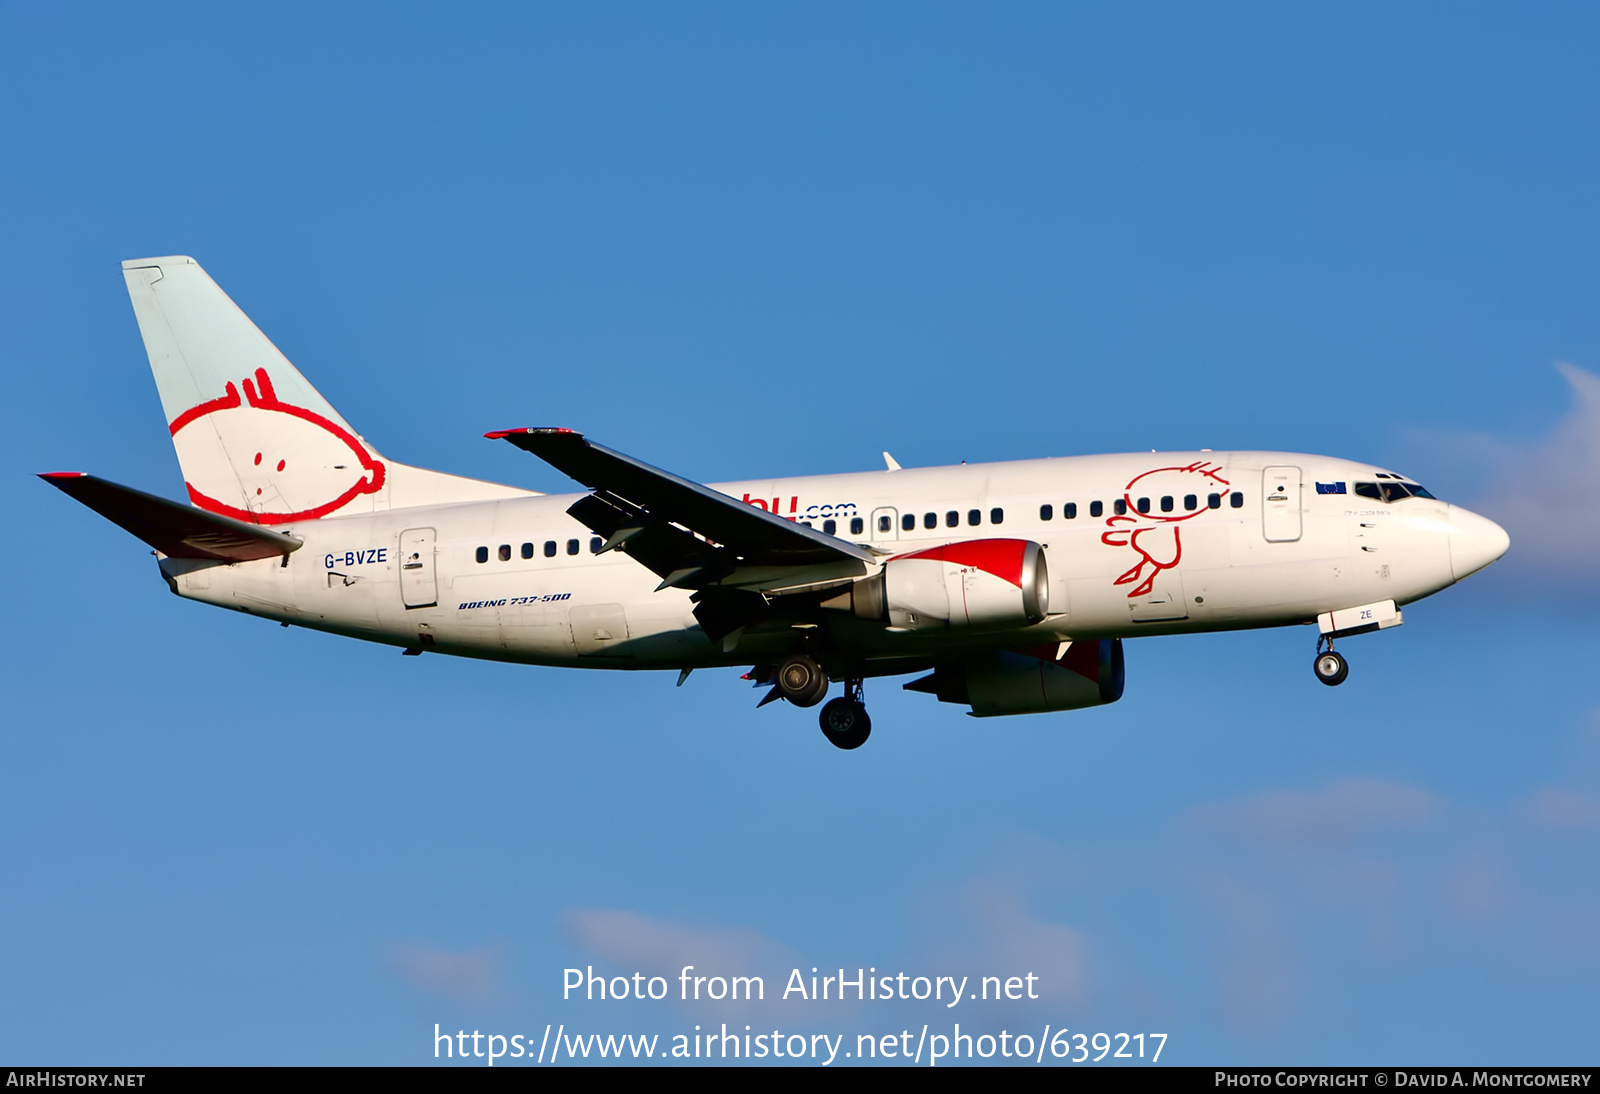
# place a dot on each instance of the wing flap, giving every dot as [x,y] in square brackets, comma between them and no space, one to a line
[174,529]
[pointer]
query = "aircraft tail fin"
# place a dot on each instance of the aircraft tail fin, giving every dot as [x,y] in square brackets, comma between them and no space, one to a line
[256,442]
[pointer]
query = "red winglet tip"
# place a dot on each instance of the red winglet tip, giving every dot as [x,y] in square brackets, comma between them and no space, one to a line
[64,475]
[502,433]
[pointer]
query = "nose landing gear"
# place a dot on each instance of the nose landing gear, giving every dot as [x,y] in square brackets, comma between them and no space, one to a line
[844,720]
[1331,668]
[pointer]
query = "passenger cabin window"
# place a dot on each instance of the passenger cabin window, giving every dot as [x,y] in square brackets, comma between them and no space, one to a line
[1046,512]
[595,544]
[482,554]
[830,526]
[1190,503]
[572,546]
[885,524]
[1069,511]
[930,520]
[997,516]
[856,526]
[549,548]
[1214,501]
[1143,505]
[974,516]
[1120,507]
[505,552]
[1236,500]
[908,522]
[1096,508]
[1166,503]
[952,519]
[527,550]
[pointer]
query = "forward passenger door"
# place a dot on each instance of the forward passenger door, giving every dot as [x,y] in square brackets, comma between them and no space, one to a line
[1280,504]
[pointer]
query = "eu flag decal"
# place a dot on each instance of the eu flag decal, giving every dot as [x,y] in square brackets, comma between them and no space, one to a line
[1330,487]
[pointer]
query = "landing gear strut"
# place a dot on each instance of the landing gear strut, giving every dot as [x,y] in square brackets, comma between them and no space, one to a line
[844,720]
[1331,668]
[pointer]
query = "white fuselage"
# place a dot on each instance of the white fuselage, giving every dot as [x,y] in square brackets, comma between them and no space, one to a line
[1269,553]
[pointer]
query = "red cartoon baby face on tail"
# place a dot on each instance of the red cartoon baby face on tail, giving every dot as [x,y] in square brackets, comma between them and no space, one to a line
[267,462]
[1173,495]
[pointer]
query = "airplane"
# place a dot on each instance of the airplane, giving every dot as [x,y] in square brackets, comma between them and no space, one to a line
[1007,587]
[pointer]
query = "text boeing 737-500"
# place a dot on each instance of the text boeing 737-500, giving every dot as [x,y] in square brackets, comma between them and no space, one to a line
[1010,586]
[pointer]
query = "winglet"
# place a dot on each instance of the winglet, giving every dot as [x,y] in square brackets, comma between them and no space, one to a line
[890,461]
[502,434]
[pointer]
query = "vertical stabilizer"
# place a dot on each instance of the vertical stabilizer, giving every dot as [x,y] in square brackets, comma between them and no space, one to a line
[255,440]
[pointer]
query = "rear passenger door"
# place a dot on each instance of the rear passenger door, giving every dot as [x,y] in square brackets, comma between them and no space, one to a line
[418,587]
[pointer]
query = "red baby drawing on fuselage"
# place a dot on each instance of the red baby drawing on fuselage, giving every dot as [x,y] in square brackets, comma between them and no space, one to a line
[1155,536]
[291,463]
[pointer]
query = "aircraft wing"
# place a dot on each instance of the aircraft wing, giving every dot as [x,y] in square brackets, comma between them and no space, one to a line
[176,530]
[690,535]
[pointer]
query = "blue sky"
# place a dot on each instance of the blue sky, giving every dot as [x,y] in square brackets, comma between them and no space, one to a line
[741,241]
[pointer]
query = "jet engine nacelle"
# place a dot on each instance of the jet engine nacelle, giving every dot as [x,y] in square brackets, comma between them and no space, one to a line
[985,583]
[1087,674]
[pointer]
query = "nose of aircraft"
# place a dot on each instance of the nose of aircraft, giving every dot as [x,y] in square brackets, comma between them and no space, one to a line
[1474,542]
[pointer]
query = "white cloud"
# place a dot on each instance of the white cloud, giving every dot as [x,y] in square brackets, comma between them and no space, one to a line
[465,977]
[1292,900]
[1545,492]
[1562,810]
[987,927]
[1289,903]
[631,942]
[1331,817]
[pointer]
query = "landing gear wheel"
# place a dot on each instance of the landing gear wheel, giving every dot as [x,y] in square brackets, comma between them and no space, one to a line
[845,723]
[1331,668]
[802,681]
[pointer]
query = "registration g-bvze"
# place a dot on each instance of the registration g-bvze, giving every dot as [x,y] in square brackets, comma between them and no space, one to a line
[1007,588]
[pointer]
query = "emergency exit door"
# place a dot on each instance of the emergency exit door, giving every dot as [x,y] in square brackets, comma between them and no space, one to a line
[1280,504]
[885,524]
[418,587]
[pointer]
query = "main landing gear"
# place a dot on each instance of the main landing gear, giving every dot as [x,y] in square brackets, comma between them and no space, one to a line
[1331,668]
[844,720]
[802,681]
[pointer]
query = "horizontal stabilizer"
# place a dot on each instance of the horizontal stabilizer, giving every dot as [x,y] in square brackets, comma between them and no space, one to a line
[175,530]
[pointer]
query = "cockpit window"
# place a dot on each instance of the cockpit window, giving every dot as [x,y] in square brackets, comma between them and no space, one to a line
[1391,490]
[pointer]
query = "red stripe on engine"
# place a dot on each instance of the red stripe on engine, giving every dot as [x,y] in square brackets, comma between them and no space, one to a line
[1000,557]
